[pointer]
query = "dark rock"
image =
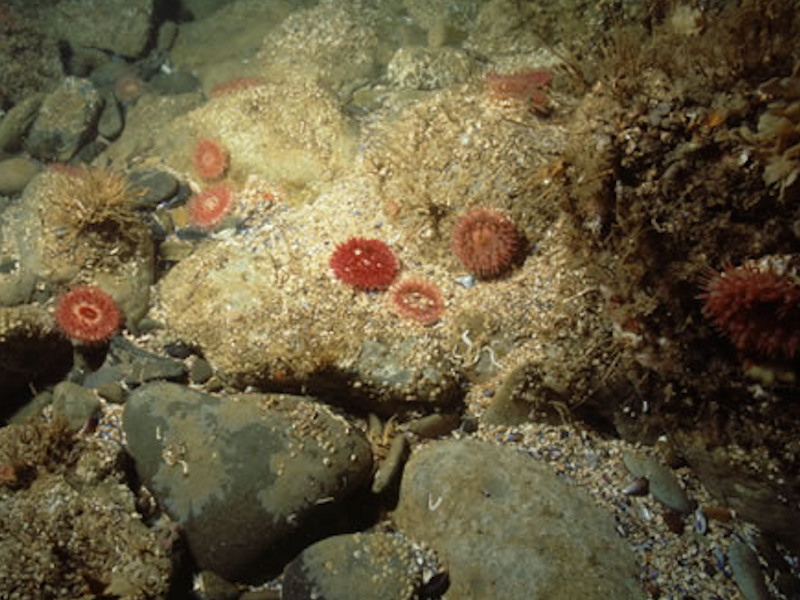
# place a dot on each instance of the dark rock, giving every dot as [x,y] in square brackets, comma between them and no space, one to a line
[152,187]
[17,121]
[133,366]
[110,124]
[364,566]
[119,26]
[65,121]
[200,371]
[242,474]
[175,83]
[508,527]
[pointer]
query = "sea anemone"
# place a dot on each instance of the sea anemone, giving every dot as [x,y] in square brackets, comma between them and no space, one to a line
[87,314]
[208,208]
[418,299]
[211,159]
[522,86]
[757,305]
[365,264]
[485,242]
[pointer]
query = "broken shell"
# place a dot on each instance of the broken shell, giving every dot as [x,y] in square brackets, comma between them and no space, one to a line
[638,487]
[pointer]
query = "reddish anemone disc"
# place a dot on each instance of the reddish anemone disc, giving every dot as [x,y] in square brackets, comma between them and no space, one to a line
[208,208]
[365,264]
[418,300]
[757,307]
[485,242]
[211,160]
[87,314]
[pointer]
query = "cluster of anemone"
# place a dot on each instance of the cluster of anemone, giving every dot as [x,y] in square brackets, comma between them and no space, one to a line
[211,161]
[484,240]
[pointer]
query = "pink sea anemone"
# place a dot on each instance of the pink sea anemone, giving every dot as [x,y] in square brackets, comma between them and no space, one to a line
[208,208]
[485,242]
[87,314]
[418,299]
[757,305]
[210,159]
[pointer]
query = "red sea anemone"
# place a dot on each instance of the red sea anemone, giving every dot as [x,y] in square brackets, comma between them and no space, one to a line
[419,300]
[208,208]
[211,160]
[757,305]
[485,242]
[365,264]
[87,314]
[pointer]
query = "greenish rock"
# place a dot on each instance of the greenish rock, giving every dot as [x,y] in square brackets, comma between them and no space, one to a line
[74,403]
[111,123]
[200,371]
[747,572]
[243,474]
[372,566]
[663,484]
[17,121]
[65,121]
[509,527]
[15,173]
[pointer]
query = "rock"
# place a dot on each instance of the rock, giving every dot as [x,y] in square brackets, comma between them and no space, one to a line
[110,124]
[319,336]
[245,474]
[421,68]
[152,187]
[508,527]
[747,572]
[65,121]
[736,478]
[125,363]
[663,484]
[119,26]
[74,403]
[15,173]
[17,121]
[364,566]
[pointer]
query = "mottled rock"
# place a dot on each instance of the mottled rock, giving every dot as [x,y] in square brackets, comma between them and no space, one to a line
[268,312]
[508,527]
[119,26]
[430,68]
[242,474]
[374,566]
[110,124]
[65,121]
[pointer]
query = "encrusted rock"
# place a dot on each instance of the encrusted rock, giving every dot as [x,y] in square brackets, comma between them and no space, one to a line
[242,474]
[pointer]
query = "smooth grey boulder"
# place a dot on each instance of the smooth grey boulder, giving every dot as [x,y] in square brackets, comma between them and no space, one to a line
[508,527]
[244,473]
